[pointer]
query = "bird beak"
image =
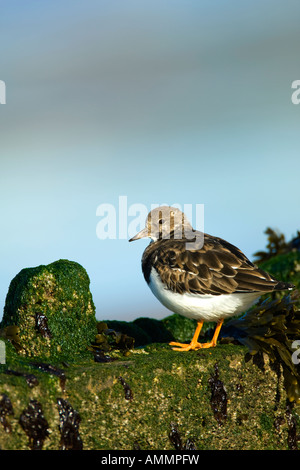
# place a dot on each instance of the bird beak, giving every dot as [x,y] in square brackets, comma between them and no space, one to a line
[142,234]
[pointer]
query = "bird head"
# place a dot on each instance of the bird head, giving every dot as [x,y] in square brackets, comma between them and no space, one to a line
[165,222]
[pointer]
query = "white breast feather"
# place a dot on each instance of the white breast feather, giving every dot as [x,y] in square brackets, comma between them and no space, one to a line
[201,307]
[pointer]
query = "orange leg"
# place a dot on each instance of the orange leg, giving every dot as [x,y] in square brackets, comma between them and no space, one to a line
[194,345]
[213,342]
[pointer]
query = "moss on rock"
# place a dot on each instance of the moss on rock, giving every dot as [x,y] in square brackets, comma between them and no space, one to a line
[155,398]
[53,308]
[214,399]
[140,336]
[155,329]
[181,328]
[148,330]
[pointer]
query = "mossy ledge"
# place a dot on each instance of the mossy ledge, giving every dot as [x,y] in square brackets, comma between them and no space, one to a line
[148,398]
[52,307]
[214,398]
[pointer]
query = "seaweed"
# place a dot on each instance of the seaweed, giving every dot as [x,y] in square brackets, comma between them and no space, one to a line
[136,446]
[292,428]
[12,334]
[6,409]
[108,339]
[50,369]
[31,379]
[271,328]
[127,389]
[144,330]
[35,425]
[69,421]
[218,400]
[276,245]
[100,356]
[175,439]
[41,325]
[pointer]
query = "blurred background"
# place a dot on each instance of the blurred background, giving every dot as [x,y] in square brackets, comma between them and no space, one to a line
[185,102]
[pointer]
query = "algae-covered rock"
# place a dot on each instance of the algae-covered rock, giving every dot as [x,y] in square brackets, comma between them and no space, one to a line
[144,330]
[140,336]
[149,330]
[160,399]
[155,399]
[52,307]
[181,328]
[155,329]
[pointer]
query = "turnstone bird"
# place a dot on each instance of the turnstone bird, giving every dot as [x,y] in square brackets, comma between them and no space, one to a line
[211,282]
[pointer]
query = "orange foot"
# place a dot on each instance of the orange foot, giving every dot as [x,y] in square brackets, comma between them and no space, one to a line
[194,345]
[191,346]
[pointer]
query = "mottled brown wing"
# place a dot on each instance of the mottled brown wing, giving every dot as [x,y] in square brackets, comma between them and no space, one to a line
[217,268]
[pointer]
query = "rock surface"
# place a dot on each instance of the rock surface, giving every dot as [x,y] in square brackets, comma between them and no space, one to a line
[155,399]
[66,385]
[52,307]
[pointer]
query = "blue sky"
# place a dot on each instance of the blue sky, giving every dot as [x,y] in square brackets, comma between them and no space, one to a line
[183,102]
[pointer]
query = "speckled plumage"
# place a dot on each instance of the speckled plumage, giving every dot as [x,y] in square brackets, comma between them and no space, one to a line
[217,268]
[207,283]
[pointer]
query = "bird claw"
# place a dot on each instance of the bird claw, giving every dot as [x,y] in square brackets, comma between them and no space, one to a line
[192,346]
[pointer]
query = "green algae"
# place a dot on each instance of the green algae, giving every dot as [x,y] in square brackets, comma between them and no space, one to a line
[143,330]
[52,307]
[136,400]
[153,399]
